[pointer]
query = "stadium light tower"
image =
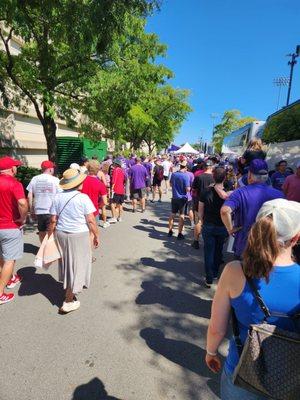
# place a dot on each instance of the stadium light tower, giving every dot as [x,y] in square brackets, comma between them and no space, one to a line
[292,63]
[280,82]
[213,116]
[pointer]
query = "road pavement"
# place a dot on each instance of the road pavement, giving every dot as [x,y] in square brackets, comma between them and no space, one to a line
[140,331]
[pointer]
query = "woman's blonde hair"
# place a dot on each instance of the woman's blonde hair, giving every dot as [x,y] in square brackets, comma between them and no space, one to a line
[255,144]
[93,167]
[262,249]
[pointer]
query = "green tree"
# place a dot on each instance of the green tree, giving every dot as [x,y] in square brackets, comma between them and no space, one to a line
[118,87]
[65,45]
[157,117]
[284,126]
[231,120]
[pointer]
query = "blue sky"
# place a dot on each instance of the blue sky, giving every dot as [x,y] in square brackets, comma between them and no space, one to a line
[227,52]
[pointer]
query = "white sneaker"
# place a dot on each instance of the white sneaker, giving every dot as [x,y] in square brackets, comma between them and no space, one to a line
[72,306]
[113,220]
[120,219]
[106,225]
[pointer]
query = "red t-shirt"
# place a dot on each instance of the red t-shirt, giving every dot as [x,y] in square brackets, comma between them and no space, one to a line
[118,180]
[11,191]
[94,188]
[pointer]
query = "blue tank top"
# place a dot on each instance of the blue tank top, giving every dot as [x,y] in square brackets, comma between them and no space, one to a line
[281,294]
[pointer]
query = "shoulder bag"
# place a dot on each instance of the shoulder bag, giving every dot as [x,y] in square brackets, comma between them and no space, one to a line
[269,362]
[49,250]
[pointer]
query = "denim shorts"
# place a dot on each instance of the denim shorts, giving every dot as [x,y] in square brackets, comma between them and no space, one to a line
[231,392]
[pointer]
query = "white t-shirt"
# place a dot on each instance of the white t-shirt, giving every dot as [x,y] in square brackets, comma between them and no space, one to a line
[72,218]
[43,187]
[167,166]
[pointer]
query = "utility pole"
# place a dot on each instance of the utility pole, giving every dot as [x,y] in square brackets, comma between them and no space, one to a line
[292,63]
[280,82]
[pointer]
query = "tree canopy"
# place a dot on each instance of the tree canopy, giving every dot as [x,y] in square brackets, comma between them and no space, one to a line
[231,120]
[91,64]
[283,126]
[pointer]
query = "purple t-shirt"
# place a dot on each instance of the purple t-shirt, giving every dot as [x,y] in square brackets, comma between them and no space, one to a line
[245,203]
[191,177]
[278,179]
[148,167]
[138,176]
[130,162]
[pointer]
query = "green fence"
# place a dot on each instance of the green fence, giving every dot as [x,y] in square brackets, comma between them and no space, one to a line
[71,149]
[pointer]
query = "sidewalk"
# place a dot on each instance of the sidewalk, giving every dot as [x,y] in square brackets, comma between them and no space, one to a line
[140,331]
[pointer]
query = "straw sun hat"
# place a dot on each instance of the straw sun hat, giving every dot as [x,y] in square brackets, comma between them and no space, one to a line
[71,178]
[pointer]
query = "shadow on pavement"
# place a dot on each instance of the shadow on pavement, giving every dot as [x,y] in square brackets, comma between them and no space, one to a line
[33,283]
[176,300]
[188,270]
[93,390]
[30,248]
[187,355]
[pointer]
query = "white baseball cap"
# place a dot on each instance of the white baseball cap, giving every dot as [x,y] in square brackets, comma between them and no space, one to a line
[75,166]
[286,217]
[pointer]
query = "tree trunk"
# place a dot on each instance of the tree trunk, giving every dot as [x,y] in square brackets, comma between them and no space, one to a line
[149,148]
[49,127]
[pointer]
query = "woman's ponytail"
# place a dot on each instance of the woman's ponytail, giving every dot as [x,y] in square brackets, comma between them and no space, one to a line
[262,249]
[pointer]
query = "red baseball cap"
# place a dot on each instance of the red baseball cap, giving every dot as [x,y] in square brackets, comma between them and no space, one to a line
[8,162]
[47,164]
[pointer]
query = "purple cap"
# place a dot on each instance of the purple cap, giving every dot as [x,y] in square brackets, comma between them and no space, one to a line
[258,167]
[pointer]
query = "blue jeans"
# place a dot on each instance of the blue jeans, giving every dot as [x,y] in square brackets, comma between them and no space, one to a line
[231,392]
[214,237]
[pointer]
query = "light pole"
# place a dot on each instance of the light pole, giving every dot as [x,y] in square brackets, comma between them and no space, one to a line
[292,63]
[213,116]
[280,82]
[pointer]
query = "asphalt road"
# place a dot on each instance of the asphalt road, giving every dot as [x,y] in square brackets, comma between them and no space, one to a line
[140,331]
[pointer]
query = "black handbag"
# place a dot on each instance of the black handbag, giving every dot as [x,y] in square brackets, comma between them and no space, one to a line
[269,362]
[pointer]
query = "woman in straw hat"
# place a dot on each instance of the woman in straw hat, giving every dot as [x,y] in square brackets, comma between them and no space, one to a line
[73,218]
[268,261]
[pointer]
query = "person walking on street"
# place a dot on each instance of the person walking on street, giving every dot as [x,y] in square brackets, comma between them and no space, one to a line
[96,190]
[158,177]
[214,232]
[167,167]
[245,202]
[268,263]
[180,184]
[13,213]
[291,186]
[138,177]
[73,221]
[41,192]
[188,211]
[200,183]
[118,191]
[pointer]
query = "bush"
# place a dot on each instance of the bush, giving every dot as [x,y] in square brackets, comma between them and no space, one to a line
[25,174]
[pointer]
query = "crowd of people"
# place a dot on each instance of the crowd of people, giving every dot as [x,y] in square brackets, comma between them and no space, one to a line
[220,198]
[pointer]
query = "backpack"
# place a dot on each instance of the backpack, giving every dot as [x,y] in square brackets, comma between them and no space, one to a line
[159,173]
[269,362]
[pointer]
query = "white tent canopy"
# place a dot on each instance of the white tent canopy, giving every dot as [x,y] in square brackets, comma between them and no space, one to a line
[186,149]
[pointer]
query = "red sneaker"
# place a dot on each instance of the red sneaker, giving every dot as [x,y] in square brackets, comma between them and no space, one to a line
[13,281]
[6,298]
